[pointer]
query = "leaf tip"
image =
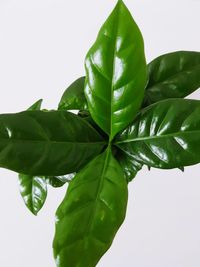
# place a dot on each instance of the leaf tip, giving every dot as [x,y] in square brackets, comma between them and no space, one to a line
[182,169]
[32,210]
[35,213]
[37,105]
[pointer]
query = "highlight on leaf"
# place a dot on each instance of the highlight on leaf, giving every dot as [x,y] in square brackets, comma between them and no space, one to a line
[93,199]
[33,191]
[116,72]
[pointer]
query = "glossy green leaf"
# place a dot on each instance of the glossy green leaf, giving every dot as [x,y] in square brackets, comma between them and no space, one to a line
[33,191]
[58,181]
[173,75]
[116,72]
[36,106]
[165,135]
[129,165]
[91,213]
[47,143]
[74,97]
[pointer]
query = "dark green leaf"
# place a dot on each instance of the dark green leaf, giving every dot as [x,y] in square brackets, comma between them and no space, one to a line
[87,117]
[58,181]
[129,165]
[116,72]
[74,97]
[47,143]
[95,126]
[33,191]
[91,213]
[165,135]
[173,75]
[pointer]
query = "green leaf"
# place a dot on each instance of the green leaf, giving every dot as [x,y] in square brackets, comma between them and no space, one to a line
[165,135]
[95,126]
[36,105]
[91,213]
[47,143]
[129,165]
[33,191]
[58,181]
[73,97]
[116,72]
[173,75]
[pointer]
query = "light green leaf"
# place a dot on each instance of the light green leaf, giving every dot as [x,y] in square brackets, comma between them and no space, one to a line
[116,73]
[91,213]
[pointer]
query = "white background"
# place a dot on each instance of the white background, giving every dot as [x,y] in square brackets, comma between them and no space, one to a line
[42,49]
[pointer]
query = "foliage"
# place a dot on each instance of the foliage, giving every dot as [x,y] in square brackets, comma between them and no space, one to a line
[130,114]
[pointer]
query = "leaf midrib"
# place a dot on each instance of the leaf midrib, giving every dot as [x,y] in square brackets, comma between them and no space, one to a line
[100,185]
[146,138]
[8,140]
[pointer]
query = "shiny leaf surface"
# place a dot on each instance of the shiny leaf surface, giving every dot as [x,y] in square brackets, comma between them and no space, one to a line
[129,165]
[74,97]
[33,191]
[165,135]
[36,106]
[173,75]
[47,143]
[116,72]
[91,213]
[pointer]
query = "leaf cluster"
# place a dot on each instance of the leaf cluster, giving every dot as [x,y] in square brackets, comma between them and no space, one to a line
[129,114]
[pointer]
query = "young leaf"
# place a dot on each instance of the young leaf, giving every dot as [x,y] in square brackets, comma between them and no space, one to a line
[165,135]
[33,191]
[47,143]
[74,97]
[173,75]
[91,213]
[116,72]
